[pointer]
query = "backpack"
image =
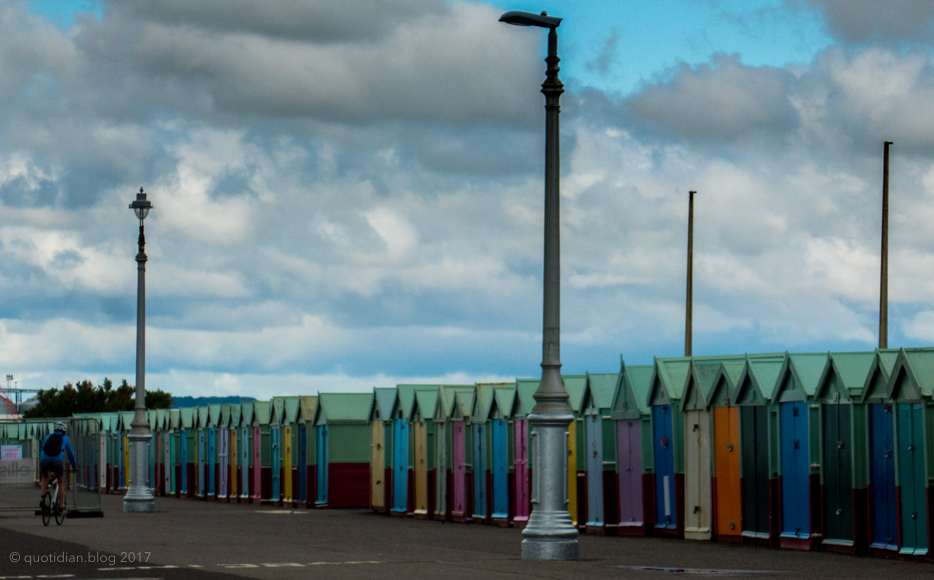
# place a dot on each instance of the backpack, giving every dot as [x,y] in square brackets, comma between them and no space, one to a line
[53,445]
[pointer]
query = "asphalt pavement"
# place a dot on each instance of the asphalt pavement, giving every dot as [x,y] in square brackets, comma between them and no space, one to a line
[207,540]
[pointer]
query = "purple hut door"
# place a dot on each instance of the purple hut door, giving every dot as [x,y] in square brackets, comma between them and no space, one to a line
[522,470]
[629,449]
[460,475]
[257,462]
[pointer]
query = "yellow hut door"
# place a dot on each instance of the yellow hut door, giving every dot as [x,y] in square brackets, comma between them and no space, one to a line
[421,467]
[377,463]
[287,461]
[572,472]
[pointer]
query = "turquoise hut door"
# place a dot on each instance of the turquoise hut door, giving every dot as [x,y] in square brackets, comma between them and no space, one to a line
[400,465]
[911,479]
[838,473]
[594,436]
[275,434]
[479,471]
[322,464]
[796,522]
[884,518]
[212,453]
[500,448]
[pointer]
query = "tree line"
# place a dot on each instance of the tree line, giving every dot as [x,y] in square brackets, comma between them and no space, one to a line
[85,397]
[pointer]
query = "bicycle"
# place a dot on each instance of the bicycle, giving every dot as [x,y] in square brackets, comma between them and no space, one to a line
[50,507]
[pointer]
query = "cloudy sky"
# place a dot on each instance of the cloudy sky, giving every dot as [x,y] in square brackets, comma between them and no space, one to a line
[348,193]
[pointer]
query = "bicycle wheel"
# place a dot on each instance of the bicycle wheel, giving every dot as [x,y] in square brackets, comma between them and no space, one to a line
[59,514]
[46,508]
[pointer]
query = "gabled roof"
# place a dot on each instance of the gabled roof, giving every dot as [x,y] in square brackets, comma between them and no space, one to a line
[912,376]
[463,404]
[482,403]
[383,399]
[405,398]
[307,405]
[447,399]
[599,388]
[278,410]
[337,408]
[225,416]
[426,399]
[525,396]
[291,409]
[505,399]
[801,373]
[876,386]
[634,382]
[203,417]
[669,378]
[236,409]
[847,371]
[175,419]
[214,415]
[574,385]
[699,383]
[126,417]
[758,378]
[262,412]
[246,413]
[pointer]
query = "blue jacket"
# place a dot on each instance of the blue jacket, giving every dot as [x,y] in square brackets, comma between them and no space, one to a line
[66,446]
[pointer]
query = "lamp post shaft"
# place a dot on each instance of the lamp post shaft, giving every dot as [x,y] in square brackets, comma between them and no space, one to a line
[139,496]
[550,533]
[884,273]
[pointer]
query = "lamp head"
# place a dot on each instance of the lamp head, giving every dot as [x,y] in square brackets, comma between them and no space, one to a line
[528,19]
[141,206]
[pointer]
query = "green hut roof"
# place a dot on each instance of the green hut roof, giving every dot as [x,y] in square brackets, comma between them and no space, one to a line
[336,408]
[447,400]
[246,413]
[850,369]
[126,417]
[482,403]
[463,403]
[525,393]
[383,400]
[204,417]
[759,378]
[235,412]
[214,415]
[574,384]
[307,406]
[505,398]
[278,411]
[913,374]
[262,412]
[700,381]
[670,378]
[805,370]
[426,400]
[405,398]
[225,416]
[600,388]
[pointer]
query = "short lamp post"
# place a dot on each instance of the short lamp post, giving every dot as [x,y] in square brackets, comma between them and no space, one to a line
[550,533]
[139,496]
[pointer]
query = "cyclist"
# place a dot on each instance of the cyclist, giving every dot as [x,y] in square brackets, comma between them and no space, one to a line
[51,464]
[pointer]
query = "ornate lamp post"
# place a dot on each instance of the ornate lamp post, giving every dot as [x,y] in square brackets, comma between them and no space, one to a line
[139,497]
[550,533]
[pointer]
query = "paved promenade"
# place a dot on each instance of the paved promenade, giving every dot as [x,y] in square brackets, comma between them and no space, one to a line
[194,539]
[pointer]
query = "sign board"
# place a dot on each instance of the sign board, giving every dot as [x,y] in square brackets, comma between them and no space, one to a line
[17,471]
[8,452]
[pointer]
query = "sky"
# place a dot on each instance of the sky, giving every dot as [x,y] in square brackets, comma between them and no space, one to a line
[348,193]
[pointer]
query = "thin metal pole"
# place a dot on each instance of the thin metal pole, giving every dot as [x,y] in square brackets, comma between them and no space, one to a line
[884,274]
[689,307]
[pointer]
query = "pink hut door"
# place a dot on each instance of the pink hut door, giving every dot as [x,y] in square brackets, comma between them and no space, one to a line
[460,474]
[522,470]
[257,462]
[629,450]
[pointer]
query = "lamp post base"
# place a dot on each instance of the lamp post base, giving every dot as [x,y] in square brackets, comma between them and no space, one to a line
[139,497]
[550,536]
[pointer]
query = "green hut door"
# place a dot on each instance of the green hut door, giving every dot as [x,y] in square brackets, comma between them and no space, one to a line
[754,447]
[911,478]
[838,473]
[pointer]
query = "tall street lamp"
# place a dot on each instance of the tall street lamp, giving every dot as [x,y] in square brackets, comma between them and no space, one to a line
[550,533]
[139,497]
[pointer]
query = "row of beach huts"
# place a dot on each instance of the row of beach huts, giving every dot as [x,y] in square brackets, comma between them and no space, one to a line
[830,451]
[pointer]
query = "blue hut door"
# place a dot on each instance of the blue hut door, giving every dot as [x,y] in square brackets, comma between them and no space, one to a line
[400,465]
[664,467]
[882,477]
[594,437]
[275,439]
[479,471]
[322,464]
[183,445]
[912,480]
[201,454]
[302,462]
[500,448]
[796,522]
[212,450]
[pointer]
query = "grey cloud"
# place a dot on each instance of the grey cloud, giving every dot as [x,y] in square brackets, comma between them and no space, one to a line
[720,102]
[864,21]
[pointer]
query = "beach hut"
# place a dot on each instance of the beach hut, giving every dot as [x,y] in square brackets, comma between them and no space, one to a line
[636,492]
[213,450]
[233,452]
[126,419]
[461,452]
[522,468]
[423,443]
[882,530]
[502,478]
[262,452]
[290,450]
[307,489]
[758,447]
[577,474]
[599,434]
[727,476]
[343,459]
[245,446]
[172,421]
[275,448]
[698,512]
[201,427]
[152,448]
[380,440]
[799,450]
[402,496]
[844,451]
[445,406]
[668,382]
[911,386]
[223,453]
[479,430]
